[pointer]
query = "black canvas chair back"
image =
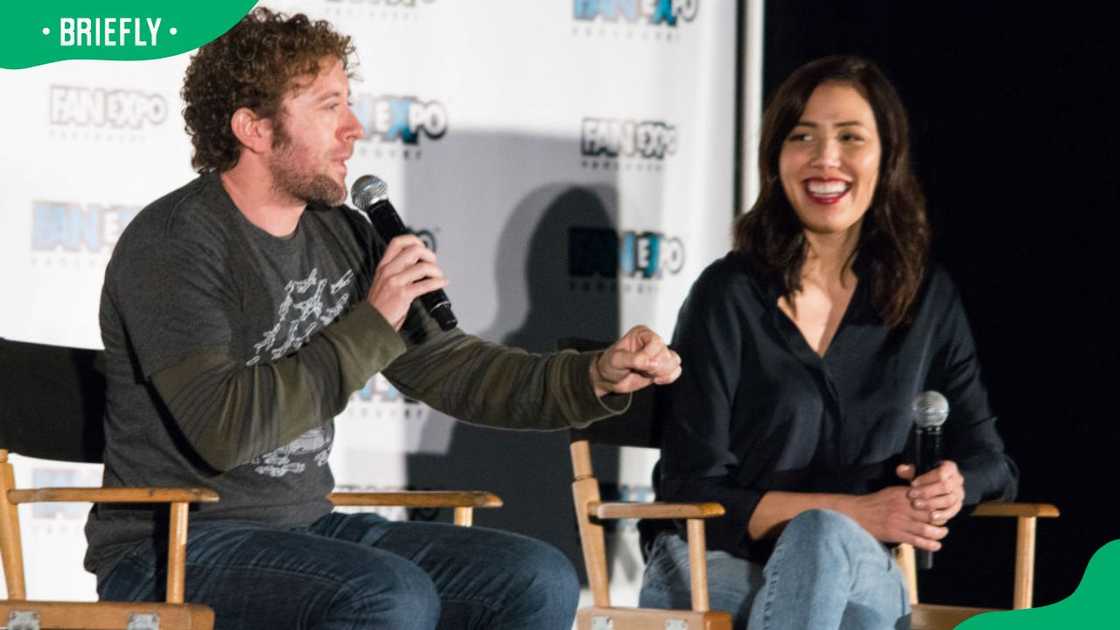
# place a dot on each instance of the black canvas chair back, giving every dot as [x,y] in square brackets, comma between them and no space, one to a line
[52,399]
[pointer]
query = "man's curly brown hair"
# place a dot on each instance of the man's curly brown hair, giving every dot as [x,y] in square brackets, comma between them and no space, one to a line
[253,65]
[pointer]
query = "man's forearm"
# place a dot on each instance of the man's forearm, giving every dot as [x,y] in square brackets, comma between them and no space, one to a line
[494,385]
[231,413]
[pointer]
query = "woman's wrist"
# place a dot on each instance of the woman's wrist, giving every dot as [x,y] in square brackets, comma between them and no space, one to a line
[846,504]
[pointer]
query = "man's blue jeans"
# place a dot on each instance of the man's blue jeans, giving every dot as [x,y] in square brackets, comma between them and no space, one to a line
[361,571]
[826,572]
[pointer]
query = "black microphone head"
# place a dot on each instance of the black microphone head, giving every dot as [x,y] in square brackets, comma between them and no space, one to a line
[930,410]
[368,190]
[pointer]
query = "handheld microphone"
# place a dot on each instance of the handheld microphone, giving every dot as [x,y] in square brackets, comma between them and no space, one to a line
[930,411]
[371,194]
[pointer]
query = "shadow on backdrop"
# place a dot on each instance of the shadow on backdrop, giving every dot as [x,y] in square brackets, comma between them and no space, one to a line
[539,302]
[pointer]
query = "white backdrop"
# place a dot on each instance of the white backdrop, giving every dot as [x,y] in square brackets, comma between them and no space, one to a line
[570,160]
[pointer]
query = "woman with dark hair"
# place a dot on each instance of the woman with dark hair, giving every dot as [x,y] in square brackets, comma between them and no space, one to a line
[803,350]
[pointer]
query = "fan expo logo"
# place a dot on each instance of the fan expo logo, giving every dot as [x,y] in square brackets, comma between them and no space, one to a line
[632,19]
[65,233]
[62,518]
[614,143]
[599,257]
[397,126]
[104,113]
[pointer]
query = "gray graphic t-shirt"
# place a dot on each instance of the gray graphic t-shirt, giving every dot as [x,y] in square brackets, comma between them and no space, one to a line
[192,281]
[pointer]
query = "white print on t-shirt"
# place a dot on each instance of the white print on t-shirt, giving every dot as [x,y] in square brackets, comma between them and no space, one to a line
[279,462]
[301,313]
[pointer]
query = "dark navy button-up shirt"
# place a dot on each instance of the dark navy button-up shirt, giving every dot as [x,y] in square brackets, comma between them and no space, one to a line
[757,409]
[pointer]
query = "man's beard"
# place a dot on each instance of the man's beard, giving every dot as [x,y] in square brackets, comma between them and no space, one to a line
[289,178]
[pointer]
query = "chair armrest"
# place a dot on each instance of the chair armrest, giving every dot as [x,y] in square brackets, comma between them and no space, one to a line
[654,510]
[1000,508]
[1027,515]
[417,499]
[114,495]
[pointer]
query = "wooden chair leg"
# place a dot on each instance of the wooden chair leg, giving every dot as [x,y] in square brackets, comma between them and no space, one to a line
[907,562]
[1024,562]
[177,553]
[698,565]
[10,541]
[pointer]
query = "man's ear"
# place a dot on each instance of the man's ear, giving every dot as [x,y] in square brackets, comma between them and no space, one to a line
[251,130]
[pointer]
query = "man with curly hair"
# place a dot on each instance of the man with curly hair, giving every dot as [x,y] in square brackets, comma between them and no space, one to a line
[241,311]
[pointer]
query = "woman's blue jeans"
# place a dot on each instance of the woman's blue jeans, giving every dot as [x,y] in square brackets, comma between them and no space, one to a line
[826,572]
[360,571]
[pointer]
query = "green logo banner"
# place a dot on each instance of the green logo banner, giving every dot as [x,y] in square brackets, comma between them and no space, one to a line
[35,33]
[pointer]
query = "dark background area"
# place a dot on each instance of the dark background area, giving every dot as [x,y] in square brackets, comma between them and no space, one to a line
[1016,144]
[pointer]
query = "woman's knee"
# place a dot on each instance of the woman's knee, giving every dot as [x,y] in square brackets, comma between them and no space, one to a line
[823,527]
[825,537]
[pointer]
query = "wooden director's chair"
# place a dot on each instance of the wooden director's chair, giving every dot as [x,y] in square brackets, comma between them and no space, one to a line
[52,401]
[637,428]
